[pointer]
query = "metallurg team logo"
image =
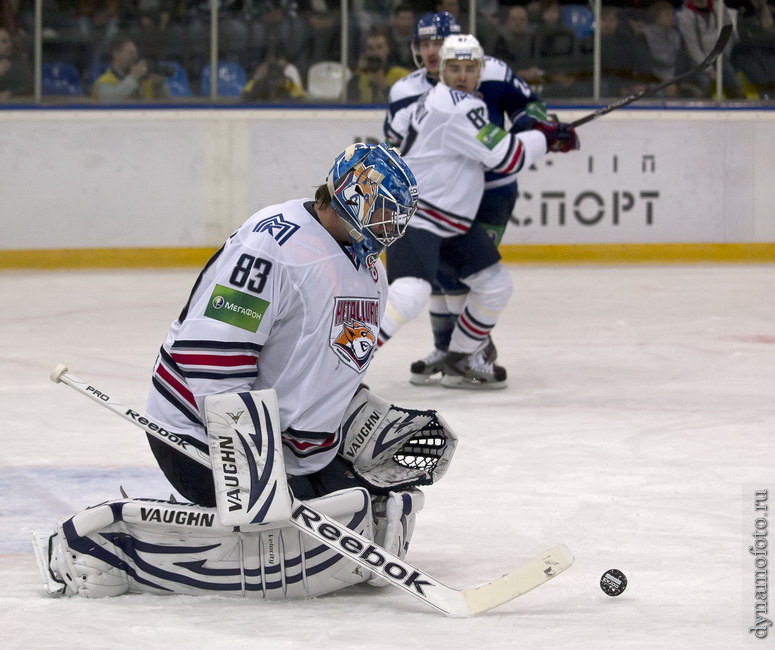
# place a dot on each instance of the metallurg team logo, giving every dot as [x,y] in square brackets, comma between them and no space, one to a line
[354,330]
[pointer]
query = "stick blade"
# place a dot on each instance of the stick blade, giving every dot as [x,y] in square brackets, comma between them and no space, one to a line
[527,577]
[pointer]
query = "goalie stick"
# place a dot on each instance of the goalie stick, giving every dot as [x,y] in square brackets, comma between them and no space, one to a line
[723,38]
[362,551]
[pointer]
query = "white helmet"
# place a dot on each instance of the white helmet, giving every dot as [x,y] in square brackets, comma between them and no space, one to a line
[461,47]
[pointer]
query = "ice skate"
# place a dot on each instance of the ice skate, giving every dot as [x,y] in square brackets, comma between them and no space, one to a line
[472,371]
[424,370]
[488,350]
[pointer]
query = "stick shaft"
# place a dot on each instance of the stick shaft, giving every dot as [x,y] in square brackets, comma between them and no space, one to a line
[724,35]
[174,440]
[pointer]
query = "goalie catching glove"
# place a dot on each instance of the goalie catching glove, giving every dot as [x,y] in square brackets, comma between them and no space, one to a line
[392,448]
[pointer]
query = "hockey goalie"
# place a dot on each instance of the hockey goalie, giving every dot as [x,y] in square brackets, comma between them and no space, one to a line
[166,547]
[257,381]
[300,480]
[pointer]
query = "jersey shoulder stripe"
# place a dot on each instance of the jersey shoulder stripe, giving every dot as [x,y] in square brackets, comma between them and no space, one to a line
[208,361]
[233,346]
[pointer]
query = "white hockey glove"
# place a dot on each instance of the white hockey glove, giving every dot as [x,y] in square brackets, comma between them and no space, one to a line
[393,448]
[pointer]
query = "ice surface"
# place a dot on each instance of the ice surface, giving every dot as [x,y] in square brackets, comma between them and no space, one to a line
[639,421]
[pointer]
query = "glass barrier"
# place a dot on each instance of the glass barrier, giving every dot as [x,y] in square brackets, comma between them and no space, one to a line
[313,52]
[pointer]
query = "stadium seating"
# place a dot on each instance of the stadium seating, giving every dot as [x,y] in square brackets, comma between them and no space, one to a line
[231,79]
[94,72]
[324,80]
[177,81]
[59,78]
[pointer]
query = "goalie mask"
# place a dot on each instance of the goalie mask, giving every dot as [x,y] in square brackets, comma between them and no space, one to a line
[375,194]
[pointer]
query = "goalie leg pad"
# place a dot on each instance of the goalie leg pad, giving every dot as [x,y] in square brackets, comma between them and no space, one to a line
[392,448]
[394,520]
[147,546]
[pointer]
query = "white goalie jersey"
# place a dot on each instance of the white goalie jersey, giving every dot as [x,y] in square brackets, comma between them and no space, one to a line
[282,305]
[448,143]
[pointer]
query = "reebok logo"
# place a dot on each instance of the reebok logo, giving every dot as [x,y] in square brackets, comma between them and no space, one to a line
[344,543]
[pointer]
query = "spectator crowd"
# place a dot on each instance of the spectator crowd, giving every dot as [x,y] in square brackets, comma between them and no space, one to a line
[288,51]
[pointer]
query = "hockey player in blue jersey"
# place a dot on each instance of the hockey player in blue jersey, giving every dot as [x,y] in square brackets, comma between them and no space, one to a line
[506,96]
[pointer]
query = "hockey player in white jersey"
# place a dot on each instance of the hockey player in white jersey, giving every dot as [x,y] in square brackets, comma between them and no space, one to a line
[292,302]
[448,141]
[507,98]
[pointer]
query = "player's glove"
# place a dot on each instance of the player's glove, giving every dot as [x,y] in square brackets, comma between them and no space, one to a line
[560,137]
[526,120]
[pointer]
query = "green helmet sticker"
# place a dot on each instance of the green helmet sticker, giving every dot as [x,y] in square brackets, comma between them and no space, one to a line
[236,308]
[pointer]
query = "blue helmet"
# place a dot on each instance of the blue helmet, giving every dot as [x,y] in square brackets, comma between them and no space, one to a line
[434,27]
[375,194]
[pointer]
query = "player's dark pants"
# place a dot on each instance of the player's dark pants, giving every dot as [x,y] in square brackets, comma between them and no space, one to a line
[492,216]
[495,210]
[442,262]
[192,480]
[195,482]
[420,254]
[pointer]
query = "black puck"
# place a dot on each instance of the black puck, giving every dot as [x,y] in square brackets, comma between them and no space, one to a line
[613,582]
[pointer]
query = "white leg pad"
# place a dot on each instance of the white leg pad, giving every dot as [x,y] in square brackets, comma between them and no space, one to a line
[394,518]
[147,546]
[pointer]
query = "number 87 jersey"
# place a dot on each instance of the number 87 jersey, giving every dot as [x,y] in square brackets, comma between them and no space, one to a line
[281,305]
[448,145]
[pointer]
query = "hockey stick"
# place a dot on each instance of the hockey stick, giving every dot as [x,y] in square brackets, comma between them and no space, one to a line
[723,38]
[362,551]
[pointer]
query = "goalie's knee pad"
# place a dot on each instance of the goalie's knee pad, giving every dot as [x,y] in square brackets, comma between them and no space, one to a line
[394,520]
[158,547]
